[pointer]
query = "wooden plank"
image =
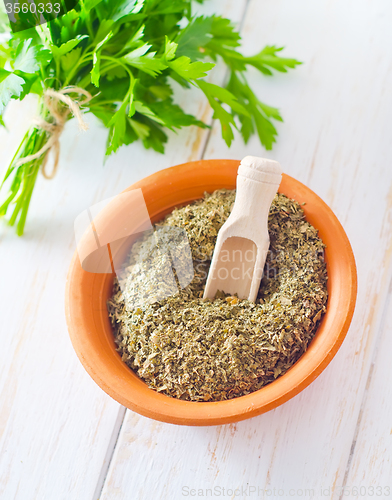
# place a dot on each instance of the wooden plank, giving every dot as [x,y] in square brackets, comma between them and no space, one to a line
[57,428]
[336,139]
[370,470]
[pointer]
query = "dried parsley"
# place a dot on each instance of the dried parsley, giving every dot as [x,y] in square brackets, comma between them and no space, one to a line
[203,350]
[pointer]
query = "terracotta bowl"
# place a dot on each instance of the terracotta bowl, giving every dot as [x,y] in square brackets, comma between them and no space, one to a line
[91,333]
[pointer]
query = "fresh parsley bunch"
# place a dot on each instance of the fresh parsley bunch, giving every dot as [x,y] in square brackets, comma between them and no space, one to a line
[125,53]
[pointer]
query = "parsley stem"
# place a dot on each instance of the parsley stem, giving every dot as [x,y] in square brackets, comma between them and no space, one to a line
[29,173]
[22,221]
[88,19]
[87,79]
[102,103]
[54,56]
[118,62]
[131,77]
[82,60]
[11,168]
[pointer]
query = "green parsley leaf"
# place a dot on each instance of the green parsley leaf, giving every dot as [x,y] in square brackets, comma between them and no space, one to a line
[162,92]
[131,93]
[103,114]
[29,58]
[96,71]
[66,47]
[144,110]
[215,92]
[224,33]
[3,74]
[4,21]
[188,70]
[32,84]
[141,129]
[259,113]
[116,9]
[145,61]
[117,127]
[264,60]
[194,37]
[268,58]
[173,116]
[69,61]
[70,26]
[90,4]
[10,86]
[226,119]
[132,50]
[156,139]
[114,90]
[134,40]
[105,27]
[170,49]
[117,72]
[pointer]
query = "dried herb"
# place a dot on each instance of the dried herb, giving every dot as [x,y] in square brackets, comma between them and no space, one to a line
[203,350]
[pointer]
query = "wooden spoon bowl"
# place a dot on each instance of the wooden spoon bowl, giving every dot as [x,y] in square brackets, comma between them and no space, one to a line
[91,332]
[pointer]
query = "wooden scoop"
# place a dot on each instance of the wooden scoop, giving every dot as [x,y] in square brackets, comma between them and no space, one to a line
[243,240]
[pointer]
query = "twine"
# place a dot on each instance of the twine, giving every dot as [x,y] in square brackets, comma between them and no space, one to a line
[59,116]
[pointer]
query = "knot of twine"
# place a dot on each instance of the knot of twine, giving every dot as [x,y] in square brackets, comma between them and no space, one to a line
[58,116]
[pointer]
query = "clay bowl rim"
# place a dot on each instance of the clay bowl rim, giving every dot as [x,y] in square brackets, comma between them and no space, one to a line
[88,321]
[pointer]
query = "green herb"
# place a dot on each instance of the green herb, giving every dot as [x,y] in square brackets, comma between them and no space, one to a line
[202,350]
[126,53]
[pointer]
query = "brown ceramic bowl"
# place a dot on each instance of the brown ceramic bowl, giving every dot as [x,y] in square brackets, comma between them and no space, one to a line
[92,337]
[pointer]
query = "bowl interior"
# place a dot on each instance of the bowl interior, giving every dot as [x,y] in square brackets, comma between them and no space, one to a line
[91,332]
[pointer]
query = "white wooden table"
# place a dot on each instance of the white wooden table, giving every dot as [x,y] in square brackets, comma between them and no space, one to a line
[61,437]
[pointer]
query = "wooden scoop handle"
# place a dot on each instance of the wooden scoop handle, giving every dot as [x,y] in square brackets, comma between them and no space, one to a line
[257,182]
[245,231]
